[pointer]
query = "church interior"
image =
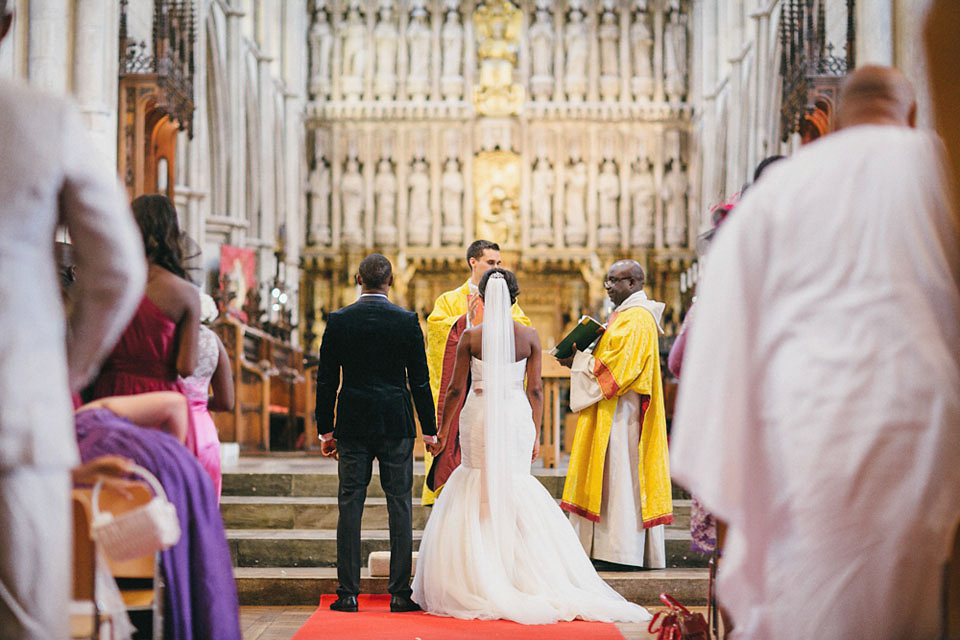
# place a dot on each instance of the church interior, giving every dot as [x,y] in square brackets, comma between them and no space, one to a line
[296,137]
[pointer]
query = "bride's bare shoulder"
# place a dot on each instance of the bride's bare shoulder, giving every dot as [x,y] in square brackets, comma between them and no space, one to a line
[527,334]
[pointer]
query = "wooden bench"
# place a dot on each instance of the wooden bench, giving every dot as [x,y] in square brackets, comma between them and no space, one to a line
[270,382]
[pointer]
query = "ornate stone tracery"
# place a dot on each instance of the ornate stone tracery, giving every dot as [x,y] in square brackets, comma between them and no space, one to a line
[550,127]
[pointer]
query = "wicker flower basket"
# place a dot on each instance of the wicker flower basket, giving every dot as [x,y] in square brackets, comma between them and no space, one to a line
[147,529]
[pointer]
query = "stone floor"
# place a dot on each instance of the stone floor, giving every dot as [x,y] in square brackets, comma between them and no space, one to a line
[280,623]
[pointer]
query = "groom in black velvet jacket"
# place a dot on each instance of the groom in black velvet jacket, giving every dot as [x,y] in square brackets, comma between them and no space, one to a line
[376,347]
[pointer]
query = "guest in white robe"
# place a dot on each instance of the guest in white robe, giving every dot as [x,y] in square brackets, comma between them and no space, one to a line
[820,399]
[50,175]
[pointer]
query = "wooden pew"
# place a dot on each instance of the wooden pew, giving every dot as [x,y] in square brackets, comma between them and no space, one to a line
[556,380]
[270,381]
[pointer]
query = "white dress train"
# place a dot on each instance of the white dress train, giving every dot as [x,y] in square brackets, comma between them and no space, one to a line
[540,575]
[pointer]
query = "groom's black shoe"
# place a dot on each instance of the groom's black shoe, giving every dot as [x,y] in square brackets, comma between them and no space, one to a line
[345,603]
[402,604]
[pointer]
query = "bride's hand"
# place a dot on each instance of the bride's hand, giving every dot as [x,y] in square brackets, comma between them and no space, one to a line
[536,450]
[436,447]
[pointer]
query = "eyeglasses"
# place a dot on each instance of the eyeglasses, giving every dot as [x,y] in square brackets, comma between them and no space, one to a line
[609,282]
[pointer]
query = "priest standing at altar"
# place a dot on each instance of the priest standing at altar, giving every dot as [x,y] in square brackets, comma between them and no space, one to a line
[454,312]
[618,482]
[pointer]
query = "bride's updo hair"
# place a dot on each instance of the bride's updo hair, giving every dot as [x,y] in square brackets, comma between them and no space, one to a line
[511,279]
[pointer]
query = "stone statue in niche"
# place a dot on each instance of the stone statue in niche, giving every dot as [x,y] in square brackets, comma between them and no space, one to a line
[641,47]
[351,201]
[575,38]
[642,192]
[451,201]
[542,40]
[542,186]
[575,231]
[418,49]
[418,209]
[609,34]
[385,36]
[385,192]
[452,52]
[320,201]
[675,55]
[354,53]
[675,205]
[608,191]
[321,45]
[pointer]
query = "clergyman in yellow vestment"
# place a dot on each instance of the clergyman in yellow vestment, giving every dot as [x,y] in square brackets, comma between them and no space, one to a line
[618,482]
[453,312]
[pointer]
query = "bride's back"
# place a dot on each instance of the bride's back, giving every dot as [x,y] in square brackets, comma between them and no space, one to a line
[526,341]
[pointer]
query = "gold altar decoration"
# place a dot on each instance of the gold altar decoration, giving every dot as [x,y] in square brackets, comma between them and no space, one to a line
[496,183]
[498,27]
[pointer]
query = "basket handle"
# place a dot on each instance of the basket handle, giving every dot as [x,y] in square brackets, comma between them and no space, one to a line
[136,470]
[671,602]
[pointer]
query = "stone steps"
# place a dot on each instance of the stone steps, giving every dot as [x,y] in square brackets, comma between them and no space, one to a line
[280,515]
[301,512]
[304,586]
[318,547]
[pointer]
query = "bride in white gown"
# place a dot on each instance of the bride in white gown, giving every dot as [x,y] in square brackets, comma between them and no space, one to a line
[496,544]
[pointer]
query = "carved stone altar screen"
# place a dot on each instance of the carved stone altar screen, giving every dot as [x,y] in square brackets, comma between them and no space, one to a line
[558,129]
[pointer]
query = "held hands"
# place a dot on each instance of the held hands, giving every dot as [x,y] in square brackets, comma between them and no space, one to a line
[436,447]
[329,448]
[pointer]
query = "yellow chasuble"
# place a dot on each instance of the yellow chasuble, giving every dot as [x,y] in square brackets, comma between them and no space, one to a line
[627,358]
[450,307]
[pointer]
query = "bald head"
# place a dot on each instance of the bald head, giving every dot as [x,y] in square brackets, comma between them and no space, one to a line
[876,95]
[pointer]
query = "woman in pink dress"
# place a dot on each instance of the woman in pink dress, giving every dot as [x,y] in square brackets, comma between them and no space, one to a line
[213,373]
[160,343]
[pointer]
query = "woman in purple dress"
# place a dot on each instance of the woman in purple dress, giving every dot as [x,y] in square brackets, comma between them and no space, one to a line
[201,595]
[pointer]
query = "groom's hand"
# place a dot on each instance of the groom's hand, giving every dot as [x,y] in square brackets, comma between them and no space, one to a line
[329,448]
[435,447]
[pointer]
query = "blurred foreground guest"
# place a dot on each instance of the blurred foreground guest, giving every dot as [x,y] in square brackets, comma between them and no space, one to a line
[161,340]
[828,441]
[200,594]
[50,174]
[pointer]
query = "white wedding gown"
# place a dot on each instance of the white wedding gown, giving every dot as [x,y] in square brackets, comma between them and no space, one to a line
[531,568]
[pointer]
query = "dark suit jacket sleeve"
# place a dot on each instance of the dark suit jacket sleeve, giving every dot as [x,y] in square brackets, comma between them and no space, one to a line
[419,378]
[328,378]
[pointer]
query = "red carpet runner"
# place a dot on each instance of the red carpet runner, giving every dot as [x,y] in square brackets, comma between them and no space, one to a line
[375,622]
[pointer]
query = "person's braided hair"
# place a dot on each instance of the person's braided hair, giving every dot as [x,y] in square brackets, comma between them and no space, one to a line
[162,241]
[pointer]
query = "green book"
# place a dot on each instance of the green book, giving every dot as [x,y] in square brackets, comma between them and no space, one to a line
[584,334]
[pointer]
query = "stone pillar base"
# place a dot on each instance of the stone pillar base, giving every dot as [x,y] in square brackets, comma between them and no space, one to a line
[608,236]
[642,87]
[575,237]
[609,88]
[451,87]
[541,236]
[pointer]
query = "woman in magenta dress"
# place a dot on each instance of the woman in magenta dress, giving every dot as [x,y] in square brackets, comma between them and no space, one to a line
[160,342]
[212,373]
